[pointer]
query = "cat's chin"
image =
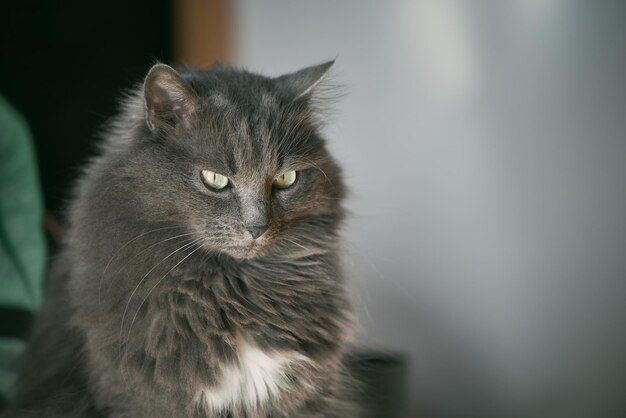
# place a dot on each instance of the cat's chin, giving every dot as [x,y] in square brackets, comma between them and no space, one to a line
[243,254]
[248,251]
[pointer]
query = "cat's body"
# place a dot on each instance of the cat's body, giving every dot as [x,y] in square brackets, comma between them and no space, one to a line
[176,298]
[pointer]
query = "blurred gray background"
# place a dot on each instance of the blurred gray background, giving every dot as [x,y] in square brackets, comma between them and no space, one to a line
[485,145]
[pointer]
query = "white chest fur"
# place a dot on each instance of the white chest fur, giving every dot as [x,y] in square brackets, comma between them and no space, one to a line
[256,377]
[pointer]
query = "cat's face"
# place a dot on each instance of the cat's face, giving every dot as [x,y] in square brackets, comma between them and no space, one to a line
[236,158]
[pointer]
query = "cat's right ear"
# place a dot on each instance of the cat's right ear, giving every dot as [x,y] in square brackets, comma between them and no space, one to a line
[169,101]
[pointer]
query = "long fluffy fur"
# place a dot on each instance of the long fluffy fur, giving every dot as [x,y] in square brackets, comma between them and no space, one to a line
[151,307]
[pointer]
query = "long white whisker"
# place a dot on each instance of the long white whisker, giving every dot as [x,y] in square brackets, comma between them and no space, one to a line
[187,245]
[295,243]
[137,237]
[148,295]
[141,252]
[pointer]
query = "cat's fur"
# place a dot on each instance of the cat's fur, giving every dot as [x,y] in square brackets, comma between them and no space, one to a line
[161,304]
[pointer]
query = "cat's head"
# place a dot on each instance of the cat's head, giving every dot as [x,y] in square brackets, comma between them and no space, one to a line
[238,159]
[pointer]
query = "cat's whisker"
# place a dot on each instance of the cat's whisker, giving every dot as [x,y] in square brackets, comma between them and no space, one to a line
[132,240]
[295,243]
[187,245]
[150,292]
[132,258]
[121,340]
[311,250]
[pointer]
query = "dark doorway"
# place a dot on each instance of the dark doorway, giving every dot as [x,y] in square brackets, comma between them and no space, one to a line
[64,65]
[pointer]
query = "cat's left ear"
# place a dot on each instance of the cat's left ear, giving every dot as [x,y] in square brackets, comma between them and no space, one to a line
[303,82]
[169,100]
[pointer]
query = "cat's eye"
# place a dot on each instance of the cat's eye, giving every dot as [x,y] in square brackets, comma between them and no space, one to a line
[214,180]
[285,180]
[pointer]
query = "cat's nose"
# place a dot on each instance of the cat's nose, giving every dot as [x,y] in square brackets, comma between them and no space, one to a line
[256,230]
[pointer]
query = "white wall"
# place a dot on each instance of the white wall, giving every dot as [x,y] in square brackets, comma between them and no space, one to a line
[486,148]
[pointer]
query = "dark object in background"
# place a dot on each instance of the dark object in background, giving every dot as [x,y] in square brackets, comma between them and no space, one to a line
[64,64]
[382,377]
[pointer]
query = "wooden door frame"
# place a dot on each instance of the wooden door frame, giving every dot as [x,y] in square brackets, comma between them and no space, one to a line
[202,32]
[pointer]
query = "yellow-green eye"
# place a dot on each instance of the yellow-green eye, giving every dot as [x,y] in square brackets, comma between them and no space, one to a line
[285,180]
[214,180]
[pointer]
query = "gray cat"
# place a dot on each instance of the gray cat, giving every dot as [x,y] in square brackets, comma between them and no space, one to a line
[200,274]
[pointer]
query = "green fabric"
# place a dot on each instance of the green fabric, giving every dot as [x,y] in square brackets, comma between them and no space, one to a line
[22,241]
[10,350]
